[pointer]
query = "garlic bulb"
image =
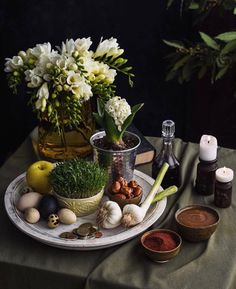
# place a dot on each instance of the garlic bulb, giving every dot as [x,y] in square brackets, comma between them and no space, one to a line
[133,214]
[109,215]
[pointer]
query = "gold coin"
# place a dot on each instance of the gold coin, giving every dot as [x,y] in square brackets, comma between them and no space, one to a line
[84,229]
[68,235]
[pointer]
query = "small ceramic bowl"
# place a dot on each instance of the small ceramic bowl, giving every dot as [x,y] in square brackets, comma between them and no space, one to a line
[164,255]
[81,207]
[196,222]
[123,202]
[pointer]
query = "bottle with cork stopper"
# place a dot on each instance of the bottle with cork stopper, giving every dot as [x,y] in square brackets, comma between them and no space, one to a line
[166,154]
[206,168]
[223,187]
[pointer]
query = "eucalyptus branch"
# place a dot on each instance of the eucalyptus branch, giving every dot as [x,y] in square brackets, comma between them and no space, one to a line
[215,54]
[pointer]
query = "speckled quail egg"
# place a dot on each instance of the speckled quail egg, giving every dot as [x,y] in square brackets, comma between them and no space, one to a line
[32,215]
[53,221]
[66,216]
[48,205]
[28,200]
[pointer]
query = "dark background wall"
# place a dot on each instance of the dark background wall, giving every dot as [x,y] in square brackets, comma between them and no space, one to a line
[139,27]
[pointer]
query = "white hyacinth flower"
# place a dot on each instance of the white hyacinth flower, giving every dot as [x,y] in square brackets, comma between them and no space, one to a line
[119,109]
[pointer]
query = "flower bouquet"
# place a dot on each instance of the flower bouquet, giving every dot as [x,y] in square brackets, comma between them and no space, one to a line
[60,84]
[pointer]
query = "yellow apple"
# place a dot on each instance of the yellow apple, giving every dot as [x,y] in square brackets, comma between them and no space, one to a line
[37,176]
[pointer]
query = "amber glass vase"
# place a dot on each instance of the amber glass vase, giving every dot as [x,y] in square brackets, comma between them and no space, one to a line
[72,142]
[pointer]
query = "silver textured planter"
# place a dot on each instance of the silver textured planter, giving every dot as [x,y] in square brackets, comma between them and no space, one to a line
[119,163]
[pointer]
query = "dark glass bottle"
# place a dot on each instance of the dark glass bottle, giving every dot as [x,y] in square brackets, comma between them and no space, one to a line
[205,181]
[223,194]
[172,176]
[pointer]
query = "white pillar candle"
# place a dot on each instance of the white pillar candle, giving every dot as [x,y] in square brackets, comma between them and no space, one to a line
[208,148]
[224,175]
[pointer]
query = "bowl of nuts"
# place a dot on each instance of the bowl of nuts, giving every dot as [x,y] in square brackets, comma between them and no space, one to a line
[123,192]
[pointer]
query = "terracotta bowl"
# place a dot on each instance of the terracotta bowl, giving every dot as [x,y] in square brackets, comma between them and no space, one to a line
[196,222]
[123,202]
[161,256]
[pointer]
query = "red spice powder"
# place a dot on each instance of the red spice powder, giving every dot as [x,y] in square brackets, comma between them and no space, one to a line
[160,241]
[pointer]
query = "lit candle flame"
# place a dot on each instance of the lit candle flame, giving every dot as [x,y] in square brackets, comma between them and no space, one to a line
[224,170]
[208,139]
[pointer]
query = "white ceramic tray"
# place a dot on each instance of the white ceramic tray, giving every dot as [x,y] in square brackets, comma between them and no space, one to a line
[110,237]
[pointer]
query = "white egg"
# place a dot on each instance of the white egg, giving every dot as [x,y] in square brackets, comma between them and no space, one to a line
[32,215]
[66,216]
[29,200]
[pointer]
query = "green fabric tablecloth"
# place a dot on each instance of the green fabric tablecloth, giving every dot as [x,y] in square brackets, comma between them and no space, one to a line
[26,263]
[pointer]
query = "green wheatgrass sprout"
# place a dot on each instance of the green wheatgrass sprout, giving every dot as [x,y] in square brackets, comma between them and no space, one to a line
[77,179]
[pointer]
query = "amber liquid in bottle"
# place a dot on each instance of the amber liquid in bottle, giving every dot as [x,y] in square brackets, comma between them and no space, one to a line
[172,176]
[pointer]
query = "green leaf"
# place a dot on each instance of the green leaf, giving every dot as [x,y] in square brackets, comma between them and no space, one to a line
[130,118]
[173,43]
[100,107]
[181,62]
[210,42]
[187,71]
[193,6]
[171,75]
[112,132]
[230,46]
[169,3]
[98,119]
[202,72]
[221,72]
[227,36]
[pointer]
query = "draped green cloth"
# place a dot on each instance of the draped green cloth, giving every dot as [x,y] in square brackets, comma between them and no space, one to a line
[27,263]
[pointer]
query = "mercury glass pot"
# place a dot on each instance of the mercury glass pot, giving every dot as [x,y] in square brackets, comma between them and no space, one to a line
[119,163]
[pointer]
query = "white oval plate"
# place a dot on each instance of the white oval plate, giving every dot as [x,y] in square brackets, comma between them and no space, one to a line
[110,237]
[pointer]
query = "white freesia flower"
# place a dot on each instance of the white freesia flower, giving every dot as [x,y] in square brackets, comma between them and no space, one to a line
[82,45]
[73,78]
[47,77]
[119,109]
[22,54]
[29,74]
[110,47]
[36,81]
[90,65]
[41,49]
[14,63]
[68,47]
[78,85]
[34,76]
[62,62]
[42,95]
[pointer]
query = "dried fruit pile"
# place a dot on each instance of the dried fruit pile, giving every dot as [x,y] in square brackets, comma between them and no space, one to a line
[125,190]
